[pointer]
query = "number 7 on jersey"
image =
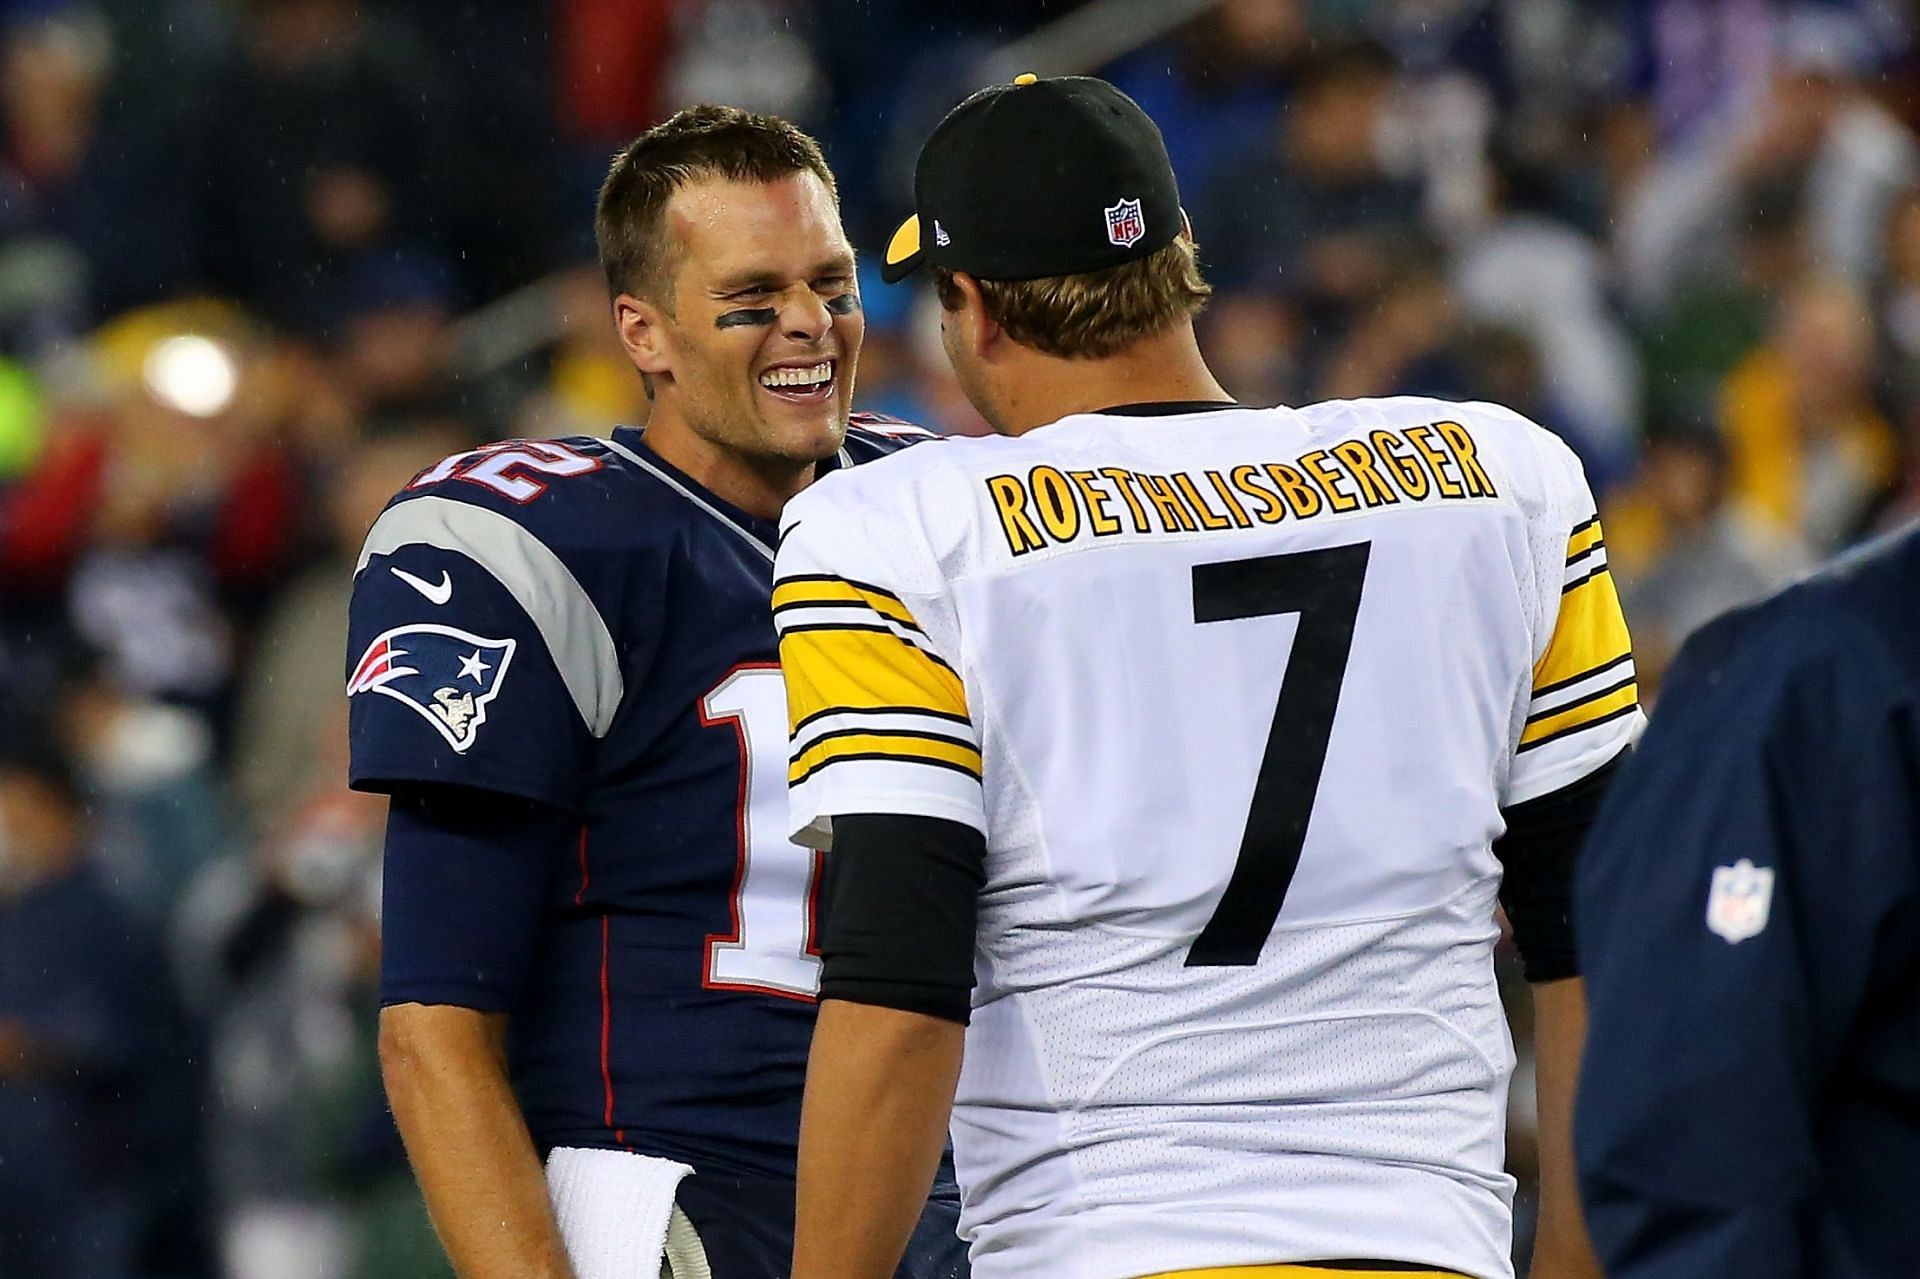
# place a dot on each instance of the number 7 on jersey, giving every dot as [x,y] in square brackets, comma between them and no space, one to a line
[1323,587]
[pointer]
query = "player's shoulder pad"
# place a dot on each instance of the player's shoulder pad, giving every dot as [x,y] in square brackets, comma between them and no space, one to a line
[525,519]
[559,490]
[531,481]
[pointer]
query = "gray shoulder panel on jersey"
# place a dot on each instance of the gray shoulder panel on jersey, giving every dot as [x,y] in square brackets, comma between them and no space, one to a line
[575,633]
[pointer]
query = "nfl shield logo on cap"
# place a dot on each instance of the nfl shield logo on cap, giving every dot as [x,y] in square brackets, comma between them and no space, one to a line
[1126,223]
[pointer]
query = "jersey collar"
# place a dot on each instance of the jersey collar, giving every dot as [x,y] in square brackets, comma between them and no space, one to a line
[1167,408]
[764,535]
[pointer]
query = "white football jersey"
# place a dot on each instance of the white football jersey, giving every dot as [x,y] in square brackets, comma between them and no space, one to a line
[1237,698]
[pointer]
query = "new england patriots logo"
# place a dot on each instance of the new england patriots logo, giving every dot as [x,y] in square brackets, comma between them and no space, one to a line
[445,674]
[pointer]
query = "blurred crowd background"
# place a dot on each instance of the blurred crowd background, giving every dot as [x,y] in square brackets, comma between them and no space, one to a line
[260,260]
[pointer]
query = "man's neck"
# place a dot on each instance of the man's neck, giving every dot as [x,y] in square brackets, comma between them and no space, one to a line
[760,486]
[1161,369]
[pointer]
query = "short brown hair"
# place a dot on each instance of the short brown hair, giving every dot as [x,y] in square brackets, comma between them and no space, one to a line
[1093,315]
[700,142]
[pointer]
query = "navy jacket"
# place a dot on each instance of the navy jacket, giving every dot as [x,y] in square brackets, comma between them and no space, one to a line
[1749,920]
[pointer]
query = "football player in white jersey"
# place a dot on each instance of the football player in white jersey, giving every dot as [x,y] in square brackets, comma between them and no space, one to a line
[1173,756]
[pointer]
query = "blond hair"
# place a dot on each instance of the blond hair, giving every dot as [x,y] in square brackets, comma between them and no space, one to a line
[1095,314]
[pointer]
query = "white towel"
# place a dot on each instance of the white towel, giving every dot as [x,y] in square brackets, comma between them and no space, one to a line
[616,1210]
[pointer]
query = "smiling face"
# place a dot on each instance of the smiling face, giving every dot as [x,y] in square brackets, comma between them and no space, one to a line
[755,357]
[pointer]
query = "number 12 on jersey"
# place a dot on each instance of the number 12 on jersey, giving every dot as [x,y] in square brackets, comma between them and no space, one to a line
[772,948]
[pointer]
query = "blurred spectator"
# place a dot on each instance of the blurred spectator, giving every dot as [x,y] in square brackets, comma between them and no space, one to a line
[1681,552]
[1400,344]
[284,946]
[1818,131]
[1898,300]
[1253,346]
[388,317]
[1808,448]
[613,57]
[71,166]
[1216,87]
[1699,62]
[295,680]
[1528,270]
[590,384]
[324,137]
[751,53]
[153,789]
[99,1141]
[1314,217]
[1718,315]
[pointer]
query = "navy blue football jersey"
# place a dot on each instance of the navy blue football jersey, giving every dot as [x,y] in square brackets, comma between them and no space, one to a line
[577,623]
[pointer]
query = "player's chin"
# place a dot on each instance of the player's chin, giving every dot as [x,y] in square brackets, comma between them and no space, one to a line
[804,428]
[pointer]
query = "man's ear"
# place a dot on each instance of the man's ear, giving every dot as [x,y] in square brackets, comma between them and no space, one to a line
[642,329]
[978,329]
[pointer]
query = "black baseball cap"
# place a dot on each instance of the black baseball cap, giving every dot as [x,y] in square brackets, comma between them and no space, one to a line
[1039,178]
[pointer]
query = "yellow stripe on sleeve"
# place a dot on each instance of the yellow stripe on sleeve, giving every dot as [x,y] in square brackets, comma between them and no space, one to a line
[1589,632]
[907,747]
[830,670]
[798,592]
[1583,539]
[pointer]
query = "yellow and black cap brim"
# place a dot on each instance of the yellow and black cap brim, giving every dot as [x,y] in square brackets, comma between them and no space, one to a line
[904,252]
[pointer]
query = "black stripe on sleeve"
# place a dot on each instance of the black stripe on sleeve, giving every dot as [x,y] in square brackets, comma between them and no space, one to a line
[1582,580]
[949,716]
[795,606]
[1578,702]
[1555,736]
[840,581]
[1589,673]
[919,734]
[825,764]
[1600,545]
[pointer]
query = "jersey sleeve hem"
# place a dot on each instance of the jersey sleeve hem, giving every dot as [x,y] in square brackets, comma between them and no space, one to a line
[469,995]
[1596,746]
[812,813]
[389,778]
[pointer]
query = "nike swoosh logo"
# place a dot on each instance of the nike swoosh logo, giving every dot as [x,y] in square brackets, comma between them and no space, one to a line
[436,592]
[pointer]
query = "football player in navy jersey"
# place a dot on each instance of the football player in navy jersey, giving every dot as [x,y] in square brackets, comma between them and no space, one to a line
[600,961]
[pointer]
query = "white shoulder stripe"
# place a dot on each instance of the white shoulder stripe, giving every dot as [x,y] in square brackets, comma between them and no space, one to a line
[1602,680]
[1586,564]
[559,607]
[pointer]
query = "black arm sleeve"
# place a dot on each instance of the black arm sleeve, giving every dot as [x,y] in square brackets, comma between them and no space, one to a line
[901,902]
[464,894]
[1538,852]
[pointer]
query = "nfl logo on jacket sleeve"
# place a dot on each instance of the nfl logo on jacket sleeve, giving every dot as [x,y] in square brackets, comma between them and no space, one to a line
[1739,901]
[446,675]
